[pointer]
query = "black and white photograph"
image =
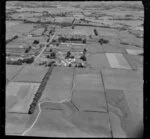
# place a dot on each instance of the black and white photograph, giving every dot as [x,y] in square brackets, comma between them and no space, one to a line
[74,68]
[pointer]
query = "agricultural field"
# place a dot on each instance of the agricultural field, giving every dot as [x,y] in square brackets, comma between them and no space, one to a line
[74,69]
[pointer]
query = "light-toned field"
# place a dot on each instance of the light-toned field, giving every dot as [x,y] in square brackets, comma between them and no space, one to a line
[117,61]
[19,96]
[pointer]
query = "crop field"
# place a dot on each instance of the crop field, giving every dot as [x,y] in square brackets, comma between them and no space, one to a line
[38,31]
[83,30]
[18,30]
[19,96]
[94,48]
[26,40]
[10,24]
[62,19]
[12,70]
[58,87]
[18,45]
[87,79]
[98,60]
[33,74]
[15,50]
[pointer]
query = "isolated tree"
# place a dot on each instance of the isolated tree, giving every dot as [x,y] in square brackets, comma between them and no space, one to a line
[95,32]
[68,54]
[35,42]
[83,57]
[102,41]
[84,51]
[51,50]
[84,41]
[53,55]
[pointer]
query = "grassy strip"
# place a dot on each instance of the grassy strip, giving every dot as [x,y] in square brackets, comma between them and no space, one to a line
[40,90]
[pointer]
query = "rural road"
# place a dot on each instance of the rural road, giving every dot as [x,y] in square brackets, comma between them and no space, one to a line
[42,50]
[39,106]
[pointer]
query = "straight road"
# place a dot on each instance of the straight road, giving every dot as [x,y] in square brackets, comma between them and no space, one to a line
[42,50]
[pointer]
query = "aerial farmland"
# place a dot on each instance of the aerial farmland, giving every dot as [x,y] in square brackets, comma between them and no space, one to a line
[74,69]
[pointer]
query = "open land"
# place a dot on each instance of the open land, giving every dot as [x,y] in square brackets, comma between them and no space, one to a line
[74,69]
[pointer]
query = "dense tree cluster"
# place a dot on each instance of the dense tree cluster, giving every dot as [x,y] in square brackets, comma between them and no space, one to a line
[27,49]
[69,55]
[83,57]
[95,32]
[102,41]
[21,61]
[40,90]
[35,42]
[64,39]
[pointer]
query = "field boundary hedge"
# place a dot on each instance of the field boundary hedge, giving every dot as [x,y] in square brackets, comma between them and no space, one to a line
[40,90]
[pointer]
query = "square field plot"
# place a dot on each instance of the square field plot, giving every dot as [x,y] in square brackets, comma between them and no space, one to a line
[12,71]
[117,60]
[19,96]
[122,79]
[98,60]
[31,74]
[87,100]
[87,79]
[113,49]
[94,48]
[58,88]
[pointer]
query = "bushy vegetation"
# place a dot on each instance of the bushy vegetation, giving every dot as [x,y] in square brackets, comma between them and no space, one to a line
[64,39]
[27,49]
[83,57]
[103,41]
[40,90]
[35,42]
[95,32]
[21,61]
